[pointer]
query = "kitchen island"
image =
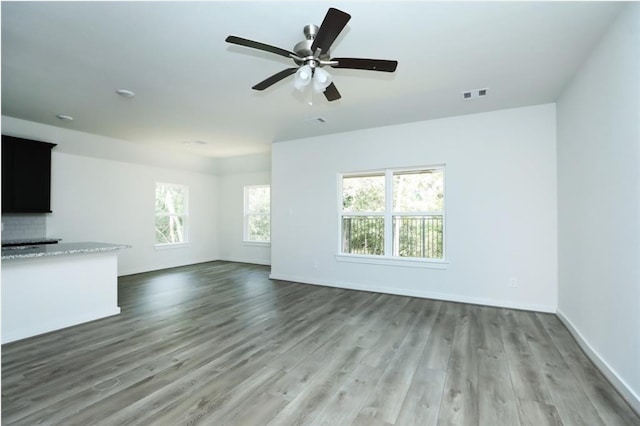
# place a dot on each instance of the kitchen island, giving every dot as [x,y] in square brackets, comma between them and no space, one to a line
[52,286]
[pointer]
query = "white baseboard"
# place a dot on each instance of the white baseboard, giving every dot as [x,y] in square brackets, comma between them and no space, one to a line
[246,260]
[422,294]
[632,398]
[134,271]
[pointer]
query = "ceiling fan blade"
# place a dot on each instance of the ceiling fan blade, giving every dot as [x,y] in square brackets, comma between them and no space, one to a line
[274,78]
[260,46]
[331,93]
[333,24]
[366,64]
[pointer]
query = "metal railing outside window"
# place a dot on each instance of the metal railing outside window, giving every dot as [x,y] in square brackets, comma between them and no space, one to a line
[418,236]
[413,236]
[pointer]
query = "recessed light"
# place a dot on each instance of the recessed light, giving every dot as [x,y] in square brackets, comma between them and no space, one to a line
[64,117]
[125,93]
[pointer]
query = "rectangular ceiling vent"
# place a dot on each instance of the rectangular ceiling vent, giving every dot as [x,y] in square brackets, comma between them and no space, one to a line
[474,94]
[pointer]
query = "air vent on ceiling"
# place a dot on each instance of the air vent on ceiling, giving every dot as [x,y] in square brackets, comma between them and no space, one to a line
[474,94]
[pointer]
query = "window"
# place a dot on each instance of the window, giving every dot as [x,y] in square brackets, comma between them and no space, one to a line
[171,213]
[363,205]
[257,213]
[394,213]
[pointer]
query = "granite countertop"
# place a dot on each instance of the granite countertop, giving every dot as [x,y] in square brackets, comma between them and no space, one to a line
[61,249]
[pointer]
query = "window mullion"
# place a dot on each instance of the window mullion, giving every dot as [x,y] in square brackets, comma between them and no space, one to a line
[362,214]
[419,213]
[388,213]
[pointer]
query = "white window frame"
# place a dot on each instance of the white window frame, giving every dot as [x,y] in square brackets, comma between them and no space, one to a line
[246,214]
[184,216]
[388,258]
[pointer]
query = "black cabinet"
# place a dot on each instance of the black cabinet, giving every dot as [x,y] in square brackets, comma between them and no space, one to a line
[26,175]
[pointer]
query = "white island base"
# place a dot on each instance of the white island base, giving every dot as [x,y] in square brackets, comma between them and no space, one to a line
[43,294]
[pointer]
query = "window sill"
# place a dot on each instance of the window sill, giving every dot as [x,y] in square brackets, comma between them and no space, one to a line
[393,261]
[169,246]
[257,243]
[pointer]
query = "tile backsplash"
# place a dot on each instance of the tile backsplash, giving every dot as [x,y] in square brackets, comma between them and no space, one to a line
[27,225]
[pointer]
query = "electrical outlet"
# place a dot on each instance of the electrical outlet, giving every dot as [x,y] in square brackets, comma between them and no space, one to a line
[513,282]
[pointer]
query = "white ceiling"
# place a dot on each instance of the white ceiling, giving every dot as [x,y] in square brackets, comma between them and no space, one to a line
[70,57]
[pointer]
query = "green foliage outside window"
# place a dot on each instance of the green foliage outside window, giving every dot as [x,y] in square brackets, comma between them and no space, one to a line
[363,194]
[171,213]
[259,228]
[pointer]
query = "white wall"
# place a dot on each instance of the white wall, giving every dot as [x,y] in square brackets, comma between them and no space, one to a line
[98,199]
[113,202]
[501,207]
[599,204]
[238,173]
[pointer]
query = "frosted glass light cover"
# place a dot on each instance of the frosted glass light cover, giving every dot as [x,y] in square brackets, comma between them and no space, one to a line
[321,80]
[302,77]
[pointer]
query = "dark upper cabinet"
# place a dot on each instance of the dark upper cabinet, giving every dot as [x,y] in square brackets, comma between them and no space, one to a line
[26,175]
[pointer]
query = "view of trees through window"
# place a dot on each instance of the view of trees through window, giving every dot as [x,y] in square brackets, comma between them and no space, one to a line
[171,213]
[363,205]
[258,213]
[412,218]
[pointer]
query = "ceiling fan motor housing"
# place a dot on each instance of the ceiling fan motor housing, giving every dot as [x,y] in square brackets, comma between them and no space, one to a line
[303,49]
[310,31]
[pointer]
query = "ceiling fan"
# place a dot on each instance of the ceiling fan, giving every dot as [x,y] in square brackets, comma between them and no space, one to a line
[311,54]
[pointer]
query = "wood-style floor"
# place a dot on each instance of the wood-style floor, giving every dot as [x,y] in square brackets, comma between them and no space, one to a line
[220,344]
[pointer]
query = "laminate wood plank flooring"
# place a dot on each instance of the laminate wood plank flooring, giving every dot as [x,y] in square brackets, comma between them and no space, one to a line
[219,343]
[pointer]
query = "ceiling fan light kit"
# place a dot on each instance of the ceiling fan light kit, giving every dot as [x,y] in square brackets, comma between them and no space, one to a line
[302,77]
[321,80]
[312,54]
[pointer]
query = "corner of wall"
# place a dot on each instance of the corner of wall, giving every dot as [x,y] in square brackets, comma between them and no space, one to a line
[624,388]
[598,158]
